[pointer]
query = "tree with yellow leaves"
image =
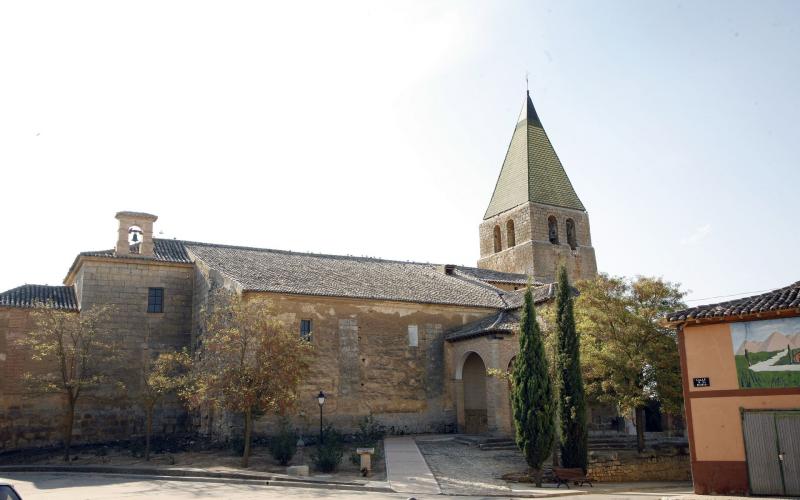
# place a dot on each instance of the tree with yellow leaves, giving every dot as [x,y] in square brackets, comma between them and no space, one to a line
[247,361]
[75,354]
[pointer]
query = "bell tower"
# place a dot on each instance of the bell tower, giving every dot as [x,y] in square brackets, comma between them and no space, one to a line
[535,220]
[135,234]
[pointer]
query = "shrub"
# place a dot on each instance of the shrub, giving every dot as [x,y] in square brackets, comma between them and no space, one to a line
[369,432]
[329,453]
[283,445]
[368,435]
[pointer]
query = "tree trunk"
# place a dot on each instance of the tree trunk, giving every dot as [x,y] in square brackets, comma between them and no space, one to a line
[640,423]
[69,420]
[147,432]
[248,429]
[537,477]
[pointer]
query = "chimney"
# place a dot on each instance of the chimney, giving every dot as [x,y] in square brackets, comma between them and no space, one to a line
[138,226]
[448,268]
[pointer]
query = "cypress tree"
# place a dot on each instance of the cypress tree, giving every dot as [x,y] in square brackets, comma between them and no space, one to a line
[572,404]
[532,398]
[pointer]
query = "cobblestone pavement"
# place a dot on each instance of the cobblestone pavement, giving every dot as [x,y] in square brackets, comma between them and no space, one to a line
[466,470]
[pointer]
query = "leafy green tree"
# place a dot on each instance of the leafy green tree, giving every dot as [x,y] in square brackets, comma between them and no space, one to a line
[573,435]
[247,362]
[532,394]
[629,358]
[76,353]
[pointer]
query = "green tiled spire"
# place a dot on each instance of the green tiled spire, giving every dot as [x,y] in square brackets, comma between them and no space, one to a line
[531,170]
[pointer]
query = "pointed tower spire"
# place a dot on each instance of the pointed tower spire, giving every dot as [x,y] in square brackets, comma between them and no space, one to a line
[531,170]
[535,221]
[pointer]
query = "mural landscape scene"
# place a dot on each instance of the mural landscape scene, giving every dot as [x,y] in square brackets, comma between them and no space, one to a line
[767,353]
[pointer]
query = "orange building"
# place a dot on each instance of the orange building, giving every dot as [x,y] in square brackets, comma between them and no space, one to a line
[741,385]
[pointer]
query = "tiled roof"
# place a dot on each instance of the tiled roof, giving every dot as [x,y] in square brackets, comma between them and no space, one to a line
[494,276]
[280,271]
[505,321]
[57,297]
[163,250]
[777,300]
[531,170]
[344,276]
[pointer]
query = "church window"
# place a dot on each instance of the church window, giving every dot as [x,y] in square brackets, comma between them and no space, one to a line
[155,300]
[572,238]
[305,329]
[510,236]
[497,245]
[552,230]
[413,336]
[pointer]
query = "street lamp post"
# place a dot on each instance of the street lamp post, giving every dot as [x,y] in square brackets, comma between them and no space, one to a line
[321,401]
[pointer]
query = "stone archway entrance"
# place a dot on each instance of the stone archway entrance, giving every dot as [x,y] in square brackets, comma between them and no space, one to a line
[476,418]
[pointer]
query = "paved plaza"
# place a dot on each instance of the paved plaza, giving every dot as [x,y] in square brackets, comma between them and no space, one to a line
[64,486]
[426,468]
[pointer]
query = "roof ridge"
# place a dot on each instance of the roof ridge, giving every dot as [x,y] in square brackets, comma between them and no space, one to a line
[310,254]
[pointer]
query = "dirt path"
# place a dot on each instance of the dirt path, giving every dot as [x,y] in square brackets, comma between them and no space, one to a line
[770,366]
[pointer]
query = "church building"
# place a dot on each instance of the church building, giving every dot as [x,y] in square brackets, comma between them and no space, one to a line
[408,343]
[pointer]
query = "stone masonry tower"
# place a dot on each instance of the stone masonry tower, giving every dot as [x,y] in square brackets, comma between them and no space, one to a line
[135,227]
[535,219]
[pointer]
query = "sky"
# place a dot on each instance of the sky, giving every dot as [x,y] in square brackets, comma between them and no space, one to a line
[379,128]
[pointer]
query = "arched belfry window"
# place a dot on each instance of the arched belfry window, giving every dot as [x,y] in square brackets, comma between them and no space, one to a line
[497,244]
[135,238]
[552,230]
[511,239]
[572,238]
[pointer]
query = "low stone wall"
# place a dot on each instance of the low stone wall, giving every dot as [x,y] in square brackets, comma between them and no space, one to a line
[613,467]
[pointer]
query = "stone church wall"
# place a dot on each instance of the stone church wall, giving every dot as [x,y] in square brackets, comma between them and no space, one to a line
[31,421]
[24,422]
[365,365]
[123,284]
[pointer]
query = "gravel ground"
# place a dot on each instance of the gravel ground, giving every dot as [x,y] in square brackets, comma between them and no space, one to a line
[465,470]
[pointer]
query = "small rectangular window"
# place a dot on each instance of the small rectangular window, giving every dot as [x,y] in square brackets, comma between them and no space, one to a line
[155,300]
[305,329]
[413,336]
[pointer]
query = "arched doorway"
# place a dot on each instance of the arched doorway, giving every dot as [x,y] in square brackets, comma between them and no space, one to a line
[475,409]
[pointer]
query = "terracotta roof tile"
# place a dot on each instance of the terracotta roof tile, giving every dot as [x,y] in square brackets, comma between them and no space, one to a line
[57,297]
[280,271]
[777,300]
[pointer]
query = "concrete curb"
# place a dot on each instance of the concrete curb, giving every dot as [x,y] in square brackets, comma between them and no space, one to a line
[183,474]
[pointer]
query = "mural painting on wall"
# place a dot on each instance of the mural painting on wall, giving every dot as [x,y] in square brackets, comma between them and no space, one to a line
[767,353]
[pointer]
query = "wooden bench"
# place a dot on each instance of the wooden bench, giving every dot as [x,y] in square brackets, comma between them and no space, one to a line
[564,476]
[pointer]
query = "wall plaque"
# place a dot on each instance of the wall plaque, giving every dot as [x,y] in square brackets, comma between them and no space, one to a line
[702,382]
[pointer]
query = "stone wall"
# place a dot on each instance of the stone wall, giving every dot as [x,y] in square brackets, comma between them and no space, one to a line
[625,466]
[28,420]
[123,284]
[533,253]
[24,421]
[365,364]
